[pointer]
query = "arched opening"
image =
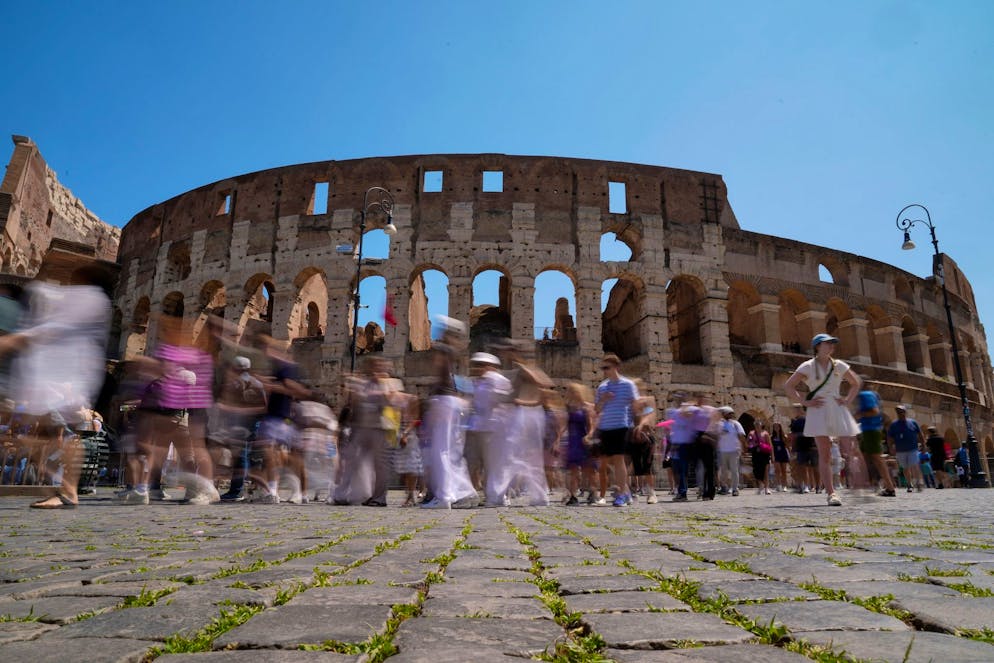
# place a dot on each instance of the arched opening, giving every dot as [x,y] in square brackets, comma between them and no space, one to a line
[744,328]
[429,299]
[824,274]
[903,291]
[622,302]
[372,305]
[213,299]
[172,305]
[839,313]
[177,262]
[308,318]
[912,345]
[684,297]
[937,352]
[792,304]
[490,316]
[555,307]
[375,245]
[260,300]
[613,249]
[138,335]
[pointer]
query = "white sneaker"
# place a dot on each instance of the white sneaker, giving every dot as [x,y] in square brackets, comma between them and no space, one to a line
[435,504]
[834,500]
[651,499]
[806,490]
[600,501]
[296,498]
[133,497]
[769,492]
[200,499]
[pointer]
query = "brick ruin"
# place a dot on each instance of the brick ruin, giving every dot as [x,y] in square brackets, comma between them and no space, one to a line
[701,305]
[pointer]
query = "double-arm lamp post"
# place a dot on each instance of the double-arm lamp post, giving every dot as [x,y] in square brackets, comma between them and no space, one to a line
[383,201]
[978,479]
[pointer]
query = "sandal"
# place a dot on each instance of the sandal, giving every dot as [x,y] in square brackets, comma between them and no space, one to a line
[373,502]
[63,503]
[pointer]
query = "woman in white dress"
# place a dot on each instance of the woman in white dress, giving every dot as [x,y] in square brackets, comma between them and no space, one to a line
[828,412]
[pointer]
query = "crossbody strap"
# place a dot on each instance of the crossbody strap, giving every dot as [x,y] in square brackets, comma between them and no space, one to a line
[823,382]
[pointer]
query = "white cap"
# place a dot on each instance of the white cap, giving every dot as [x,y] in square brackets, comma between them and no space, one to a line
[242,363]
[726,410]
[187,377]
[451,324]
[485,358]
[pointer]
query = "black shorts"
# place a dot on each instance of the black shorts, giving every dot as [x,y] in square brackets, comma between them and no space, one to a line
[807,457]
[641,455]
[614,442]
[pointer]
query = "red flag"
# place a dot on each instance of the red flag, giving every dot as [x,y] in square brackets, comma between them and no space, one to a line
[388,315]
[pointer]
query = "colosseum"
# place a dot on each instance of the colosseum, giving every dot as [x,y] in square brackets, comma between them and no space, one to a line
[700,305]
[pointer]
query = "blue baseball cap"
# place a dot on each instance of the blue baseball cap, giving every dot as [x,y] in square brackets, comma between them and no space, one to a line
[823,338]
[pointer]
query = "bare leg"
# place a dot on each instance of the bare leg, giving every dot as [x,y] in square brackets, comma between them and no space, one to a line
[825,463]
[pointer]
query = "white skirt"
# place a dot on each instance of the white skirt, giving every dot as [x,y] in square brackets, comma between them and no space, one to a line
[448,477]
[830,420]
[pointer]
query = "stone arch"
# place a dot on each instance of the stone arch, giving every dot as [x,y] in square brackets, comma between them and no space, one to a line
[428,283]
[173,304]
[952,439]
[838,314]
[622,315]
[308,317]
[684,298]
[937,352]
[137,339]
[258,305]
[912,345]
[792,304]
[490,315]
[555,306]
[371,335]
[213,300]
[903,290]
[744,327]
[832,270]
[616,249]
[178,265]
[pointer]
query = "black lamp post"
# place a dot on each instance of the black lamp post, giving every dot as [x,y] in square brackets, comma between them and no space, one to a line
[382,201]
[978,479]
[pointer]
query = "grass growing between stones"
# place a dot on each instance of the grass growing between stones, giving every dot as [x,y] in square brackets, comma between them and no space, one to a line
[202,640]
[581,645]
[879,604]
[970,589]
[146,598]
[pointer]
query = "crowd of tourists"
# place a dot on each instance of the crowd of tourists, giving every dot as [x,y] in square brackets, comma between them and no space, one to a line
[209,407]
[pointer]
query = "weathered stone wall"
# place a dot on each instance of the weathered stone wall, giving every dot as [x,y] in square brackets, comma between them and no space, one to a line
[701,305]
[35,209]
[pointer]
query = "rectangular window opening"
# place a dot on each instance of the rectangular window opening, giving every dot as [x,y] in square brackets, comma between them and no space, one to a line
[617,202]
[433,181]
[225,207]
[493,181]
[319,199]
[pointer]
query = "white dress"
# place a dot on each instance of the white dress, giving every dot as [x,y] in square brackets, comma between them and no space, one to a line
[831,419]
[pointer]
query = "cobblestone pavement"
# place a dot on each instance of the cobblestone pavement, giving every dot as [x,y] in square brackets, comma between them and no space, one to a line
[774,578]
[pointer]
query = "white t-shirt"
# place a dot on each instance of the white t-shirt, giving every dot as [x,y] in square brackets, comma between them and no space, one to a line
[728,438]
[489,390]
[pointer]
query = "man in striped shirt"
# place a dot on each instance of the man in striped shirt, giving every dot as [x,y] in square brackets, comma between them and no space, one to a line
[615,397]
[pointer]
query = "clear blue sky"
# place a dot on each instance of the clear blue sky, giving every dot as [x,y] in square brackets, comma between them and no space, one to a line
[824,118]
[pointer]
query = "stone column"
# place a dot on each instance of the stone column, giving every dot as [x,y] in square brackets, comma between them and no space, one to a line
[810,323]
[588,328]
[713,325]
[856,332]
[338,330]
[964,360]
[523,308]
[943,348]
[920,343]
[765,317]
[395,337]
[890,347]
[460,297]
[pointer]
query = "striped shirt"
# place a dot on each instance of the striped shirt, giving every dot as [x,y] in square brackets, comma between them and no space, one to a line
[616,412]
[175,393]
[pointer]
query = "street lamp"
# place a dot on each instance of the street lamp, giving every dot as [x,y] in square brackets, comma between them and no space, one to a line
[383,201]
[978,479]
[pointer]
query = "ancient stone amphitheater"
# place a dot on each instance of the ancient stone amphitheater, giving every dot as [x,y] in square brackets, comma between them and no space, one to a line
[701,305]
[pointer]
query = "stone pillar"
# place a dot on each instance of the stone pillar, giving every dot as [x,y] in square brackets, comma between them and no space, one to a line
[283,303]
[523,308]
[943,349]
[855,331]
[810,323]
[890,347]
[713,325]
[461,223]
[338,330]
[460,297]
[588,326]
[395,337]
[765,317]
[920,344]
